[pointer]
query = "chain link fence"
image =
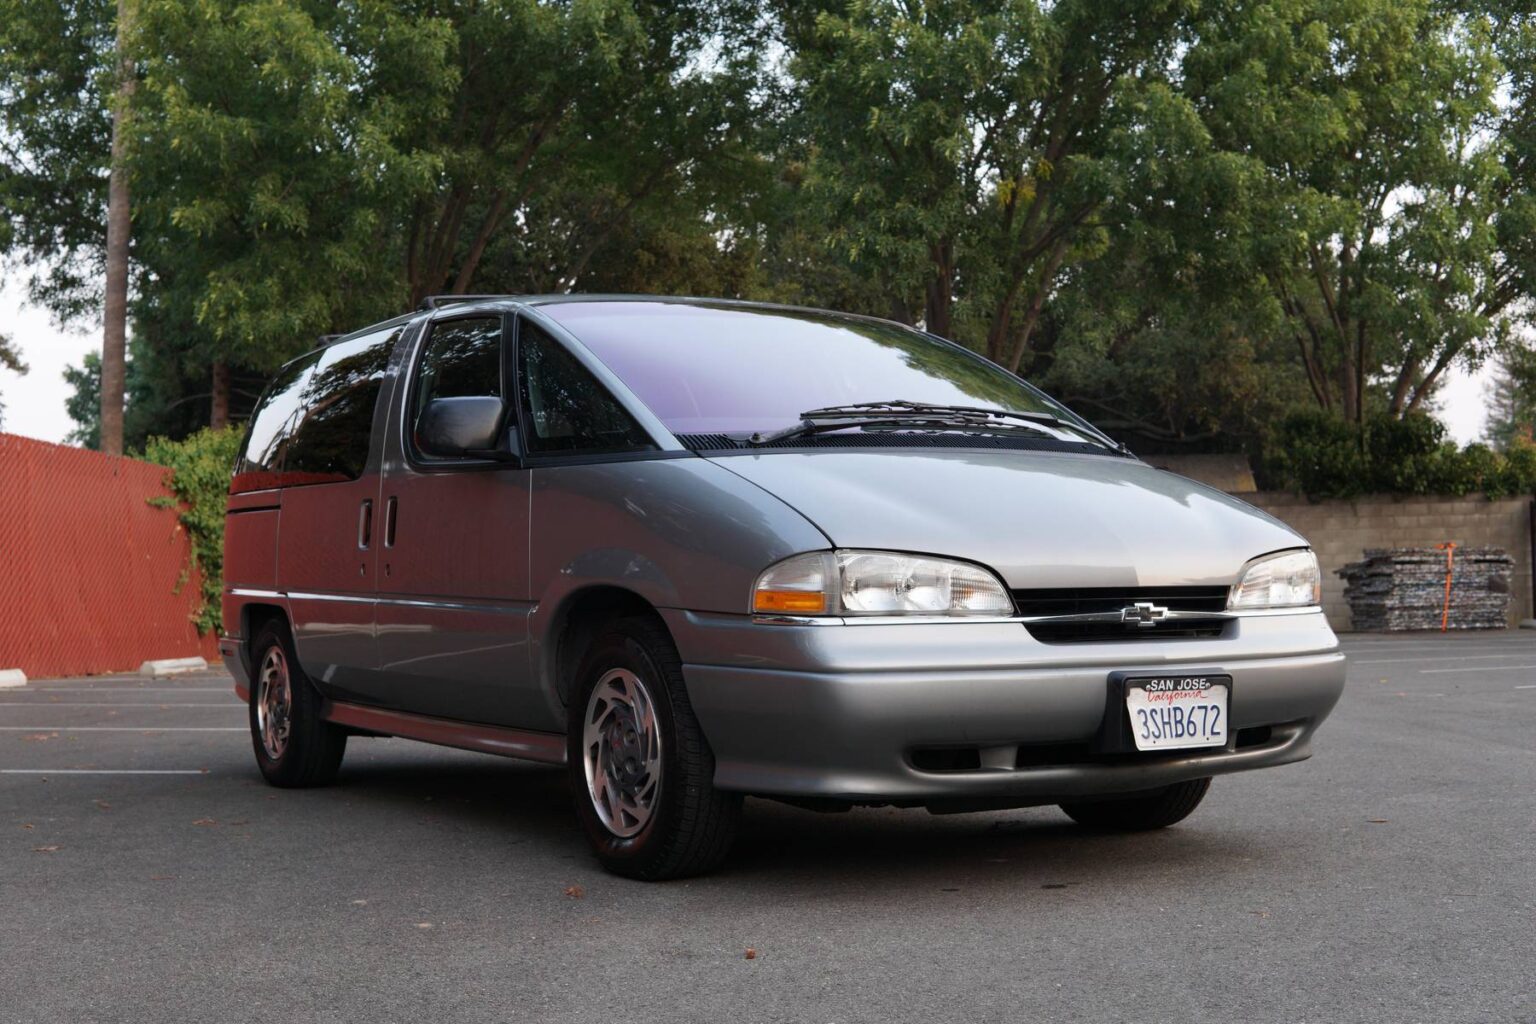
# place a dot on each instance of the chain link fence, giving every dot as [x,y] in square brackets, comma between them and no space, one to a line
[92,576]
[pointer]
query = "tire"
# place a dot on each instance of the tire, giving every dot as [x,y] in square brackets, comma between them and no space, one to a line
[1141,812]
[310,752]
[641,771]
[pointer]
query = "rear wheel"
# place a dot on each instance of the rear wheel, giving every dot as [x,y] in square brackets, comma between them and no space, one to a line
[294,746]
[1140,812]
[641,771]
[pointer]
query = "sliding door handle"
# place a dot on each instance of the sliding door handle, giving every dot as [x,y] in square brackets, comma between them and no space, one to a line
[365,524]
[390,507]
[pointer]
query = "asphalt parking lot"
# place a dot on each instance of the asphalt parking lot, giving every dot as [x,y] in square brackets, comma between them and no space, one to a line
[149,875]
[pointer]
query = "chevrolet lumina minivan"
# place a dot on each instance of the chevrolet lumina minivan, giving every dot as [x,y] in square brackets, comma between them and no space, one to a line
[695,550]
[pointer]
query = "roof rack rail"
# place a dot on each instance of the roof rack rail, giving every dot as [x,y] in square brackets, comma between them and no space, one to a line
[439,301]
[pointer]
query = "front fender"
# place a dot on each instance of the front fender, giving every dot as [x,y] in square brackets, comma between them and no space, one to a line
[677,532]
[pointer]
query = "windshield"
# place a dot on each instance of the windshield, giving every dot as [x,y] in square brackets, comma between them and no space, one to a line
[739,370]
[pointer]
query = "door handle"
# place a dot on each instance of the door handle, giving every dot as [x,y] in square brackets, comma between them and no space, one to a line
[389,521]
[365,524]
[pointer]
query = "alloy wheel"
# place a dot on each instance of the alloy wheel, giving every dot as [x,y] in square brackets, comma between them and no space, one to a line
[274,703]
[621,752]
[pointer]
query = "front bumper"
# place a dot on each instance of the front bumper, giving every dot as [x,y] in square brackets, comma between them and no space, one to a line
[837,712]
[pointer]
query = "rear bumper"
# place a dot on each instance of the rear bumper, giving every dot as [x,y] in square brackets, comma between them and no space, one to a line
[231,652]
[835,712]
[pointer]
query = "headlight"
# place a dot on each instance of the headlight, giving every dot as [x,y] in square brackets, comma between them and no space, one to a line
[877,583]
[1289,579]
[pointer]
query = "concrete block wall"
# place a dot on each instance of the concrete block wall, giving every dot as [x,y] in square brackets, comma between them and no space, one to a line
[1340,531]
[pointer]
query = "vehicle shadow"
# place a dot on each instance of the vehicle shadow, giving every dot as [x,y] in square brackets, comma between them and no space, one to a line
[494,801]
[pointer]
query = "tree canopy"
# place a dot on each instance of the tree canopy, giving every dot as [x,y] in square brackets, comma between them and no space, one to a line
[1189,220]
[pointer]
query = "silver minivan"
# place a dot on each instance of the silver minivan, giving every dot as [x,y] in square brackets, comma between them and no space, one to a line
[697,549]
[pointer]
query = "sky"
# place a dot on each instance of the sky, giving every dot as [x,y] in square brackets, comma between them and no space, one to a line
[34,404]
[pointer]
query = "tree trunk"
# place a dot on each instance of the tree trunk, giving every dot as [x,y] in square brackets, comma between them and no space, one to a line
[939,294]
[114,334]
[218,416]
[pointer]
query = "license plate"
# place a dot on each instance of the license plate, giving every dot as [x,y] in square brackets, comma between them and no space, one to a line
[1177,712]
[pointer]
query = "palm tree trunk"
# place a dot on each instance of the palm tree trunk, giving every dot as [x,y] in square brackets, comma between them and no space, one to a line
[114,341]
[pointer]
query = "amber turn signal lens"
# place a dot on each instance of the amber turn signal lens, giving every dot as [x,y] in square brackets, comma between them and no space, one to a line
[798,602]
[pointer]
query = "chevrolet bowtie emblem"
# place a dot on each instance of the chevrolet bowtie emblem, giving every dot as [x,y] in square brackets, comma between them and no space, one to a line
[1143,613]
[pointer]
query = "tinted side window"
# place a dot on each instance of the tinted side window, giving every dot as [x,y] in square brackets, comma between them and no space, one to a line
[273,422]
[331,442]
[462,359]
[567,409]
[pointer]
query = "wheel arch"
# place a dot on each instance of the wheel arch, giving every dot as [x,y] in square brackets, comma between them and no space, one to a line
[253,617]
[576,621]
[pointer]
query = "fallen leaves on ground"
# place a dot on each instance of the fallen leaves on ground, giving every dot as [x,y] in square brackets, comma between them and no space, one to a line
[46,849]
[751,953]
[575,892]
[39,737]
[205,821]
[103,805]
[1377,821]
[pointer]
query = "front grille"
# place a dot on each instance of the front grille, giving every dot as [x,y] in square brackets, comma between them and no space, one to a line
[1089,600]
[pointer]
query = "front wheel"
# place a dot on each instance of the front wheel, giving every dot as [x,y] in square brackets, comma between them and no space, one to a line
[1141,812]
[294,746]
[641,771]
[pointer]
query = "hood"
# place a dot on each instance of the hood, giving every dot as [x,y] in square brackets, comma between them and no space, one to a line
[1039,519]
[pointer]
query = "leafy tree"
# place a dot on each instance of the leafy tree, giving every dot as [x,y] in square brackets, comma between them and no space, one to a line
[63,179]
[148,406]
[1386,187]
[276,142]
[84,403]
[570,123]
[55,139]
[964,153]
[1512,399]
[10,359]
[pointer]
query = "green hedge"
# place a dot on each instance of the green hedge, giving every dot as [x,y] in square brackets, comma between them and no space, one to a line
[1322,456]
[199,479]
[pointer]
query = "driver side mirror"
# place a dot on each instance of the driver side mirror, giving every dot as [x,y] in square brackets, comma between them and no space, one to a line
[469,427]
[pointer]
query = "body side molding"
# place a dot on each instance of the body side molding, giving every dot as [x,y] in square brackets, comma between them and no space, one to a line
[545,747]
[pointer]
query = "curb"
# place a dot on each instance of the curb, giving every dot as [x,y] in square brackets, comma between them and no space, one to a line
[12,677]
[172,666]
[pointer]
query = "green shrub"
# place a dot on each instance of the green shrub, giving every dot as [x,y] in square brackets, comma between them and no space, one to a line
[1322,456]
[199,478]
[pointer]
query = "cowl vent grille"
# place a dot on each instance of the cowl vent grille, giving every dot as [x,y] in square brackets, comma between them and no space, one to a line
[725,443]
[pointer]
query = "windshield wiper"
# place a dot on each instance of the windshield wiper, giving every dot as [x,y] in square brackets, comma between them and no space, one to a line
[905,415]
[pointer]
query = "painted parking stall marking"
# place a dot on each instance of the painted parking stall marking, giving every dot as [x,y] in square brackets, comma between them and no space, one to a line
[104,771]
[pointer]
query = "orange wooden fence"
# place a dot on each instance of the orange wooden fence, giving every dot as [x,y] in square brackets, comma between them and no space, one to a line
[90,572]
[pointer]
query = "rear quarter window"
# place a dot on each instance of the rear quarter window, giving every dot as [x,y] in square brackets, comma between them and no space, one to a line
[315,424]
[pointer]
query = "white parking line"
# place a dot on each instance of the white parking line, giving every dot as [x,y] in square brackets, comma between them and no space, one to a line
[121,728]
[103,771]
[1478,668]
[128,689]
[1531,687]
[112,704]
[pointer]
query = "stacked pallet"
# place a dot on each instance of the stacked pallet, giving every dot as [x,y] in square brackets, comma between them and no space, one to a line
[1404,588]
